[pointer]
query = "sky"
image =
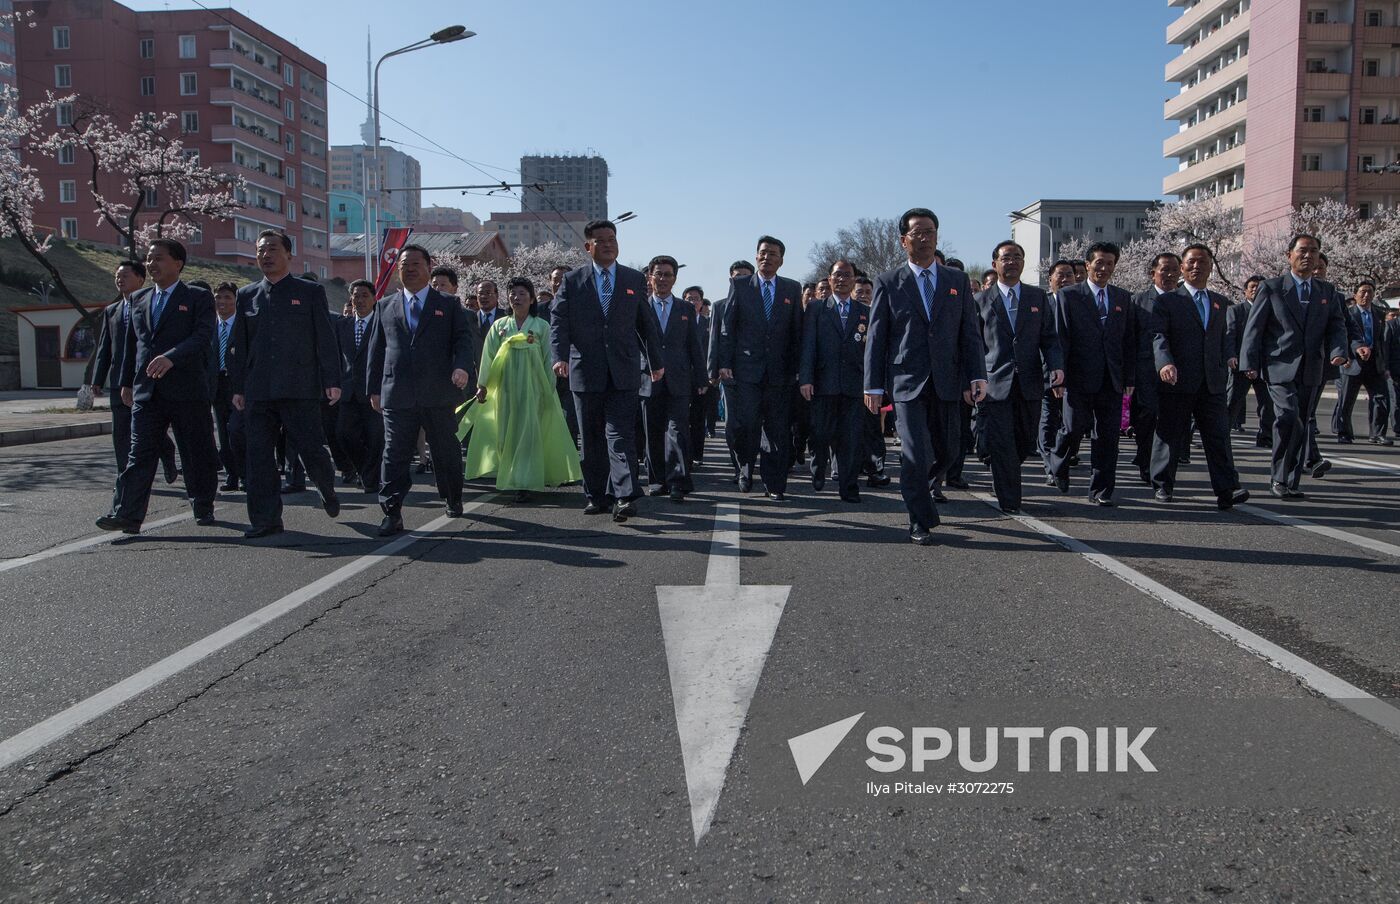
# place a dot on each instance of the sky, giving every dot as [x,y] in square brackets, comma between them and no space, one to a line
[724,120]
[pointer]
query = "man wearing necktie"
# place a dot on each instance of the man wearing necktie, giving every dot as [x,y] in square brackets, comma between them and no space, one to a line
[165,380]
[599,328]
[1022,351]
[760,344]
[1166,276]
[227,420]
[666,411]
[1098,326]
[1294,329]
[831,379]
[359,426]
[1371,359]
[925,354]
[1194,354]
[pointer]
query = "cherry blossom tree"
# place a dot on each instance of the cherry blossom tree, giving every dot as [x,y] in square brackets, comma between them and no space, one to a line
[534,263]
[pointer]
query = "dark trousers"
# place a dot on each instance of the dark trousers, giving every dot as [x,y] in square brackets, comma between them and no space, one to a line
[361,432]
[699,408]
[263,422]
[121,436]
[1100,415]
[566,402]
[232,452]
[1237,397]
[872,453]
[1211,412]
[1291,401]
[711,398]
[1347,389]
[727,391]
[194,437]
[761,415]
[801,425]
[1142,415]
[1007,431]
[401,426]
[930,432]
[668,439]
[607,424]
[1051,418]
[330,417]
[1312,454]
[965,442]
[839,425]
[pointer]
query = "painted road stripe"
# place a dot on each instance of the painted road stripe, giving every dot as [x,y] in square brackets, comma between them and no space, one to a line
[36,737]
[1342,692]
[89,542]
[1380,546]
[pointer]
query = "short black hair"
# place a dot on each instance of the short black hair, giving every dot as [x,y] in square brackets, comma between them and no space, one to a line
[1062,262]
[664,259]
[1102,248]
[277,233]
[1079,262]
[201,284]
[1299,236]
[427,257]
[487,282]
[226,287]
[841,260]
[1322,256]
[1152,267]
[1000,245]
[940,256]
[1365,282]
[769,240]
[811,285]
[864,280]
[741,265]
[360,284]
[955,264]
[593,226]
[559,267]
[689,289]
[1255,278]
[172,248]
[913,212]
[447,272]
[1197,246]
[135,267]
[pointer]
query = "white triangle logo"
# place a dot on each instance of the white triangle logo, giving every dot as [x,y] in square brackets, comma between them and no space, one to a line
[811,750]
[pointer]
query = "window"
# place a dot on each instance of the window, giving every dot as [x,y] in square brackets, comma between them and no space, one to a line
[291,178]
[1141,223]
[148,85]
[292,211]
[186,47]
[60,37]
[294,244]
[67,191]
[63,76]
[148,48]
[1371,68]
[1055,222]
[66,155]
[68,227]
[192,154]
[1366,163]
[288,75]
[1312,163]
[152,197]
[1363,211]
[189,121]
[1312,114]
[323,272]
[1120,223]
[63,114]
[1368,116]
[1373,18]
[1098,230]
[189,84]
[1317,17]
[291,145]
[1078,222]
[1316,65]
[291,110]
[198,237]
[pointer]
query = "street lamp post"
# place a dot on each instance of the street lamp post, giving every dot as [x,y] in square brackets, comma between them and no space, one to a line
[441,36]
[1017,215]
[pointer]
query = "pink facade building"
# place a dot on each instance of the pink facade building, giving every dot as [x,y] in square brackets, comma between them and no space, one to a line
[250,102]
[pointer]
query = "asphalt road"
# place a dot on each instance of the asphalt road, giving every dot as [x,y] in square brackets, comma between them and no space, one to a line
[489,712]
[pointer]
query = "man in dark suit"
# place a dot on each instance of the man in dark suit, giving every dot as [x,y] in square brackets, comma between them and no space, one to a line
[488,297]
[737,270]
[667,410]
[1294,329]
[1194,354]
[1313,463]
[873,426]
[561,384]
[831,378]
[700,403]
[1022,348]
[1165,273]
[285,362]
[233,448]
[601,328]
[165,380]
[360,427]
[1371,366]
[1098,326]
[925,353]
[759,349]
[421,360]
[130,278]
[1392,364]
[1052,405]
[1237,395]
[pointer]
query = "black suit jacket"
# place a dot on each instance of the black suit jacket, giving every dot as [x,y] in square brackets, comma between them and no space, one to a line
[716,331]
[182,335]
[1200,351]
[283,344]
[354,362]
[603,353]
[413,369]
[756,349]
[1235,320]
[681,353]
[1018,362]
[1378,335]
[111,344]
[1392,350]
[906,351]
[1286,343]
[1098,357]
[833,356]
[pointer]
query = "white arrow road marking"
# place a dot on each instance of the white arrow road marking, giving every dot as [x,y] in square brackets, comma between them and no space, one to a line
[811,750]
[717,639]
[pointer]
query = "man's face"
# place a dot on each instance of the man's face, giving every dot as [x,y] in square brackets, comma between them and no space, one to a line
[663,280]
[695,300]
[1197,265]
[413,270]
[1251,289]
[273,259]
[1101,267]
[556,279]
[823,289]
[769,258]
[128,281]
[864,292]
[1167,274]
[1081,272]
[808,293]
[1365,294]
[920,240]
[1303,260]
[362,300]
[1010,263]
[1061,276]
[602,247]
[842,279]
[487,296]
[164,269]
[442,284]
[225,303]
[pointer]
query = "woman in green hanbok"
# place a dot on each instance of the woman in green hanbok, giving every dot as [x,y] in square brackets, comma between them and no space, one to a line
[518,429]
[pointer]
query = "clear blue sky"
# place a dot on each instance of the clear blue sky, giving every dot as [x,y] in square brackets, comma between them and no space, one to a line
[722,120]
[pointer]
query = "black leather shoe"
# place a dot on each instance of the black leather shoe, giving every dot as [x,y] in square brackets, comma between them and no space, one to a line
[938,496]
[125,525]
[1010,510]
[920,536]
[818,483]
[204,515]
[622,510]
[454,511]
[257,533]
[1101,500]
[1238,497]
[853,498]
[746,484]
[658,491]
[172,473]
[677,496]
[1074,461]
[293,488]
[392,524]
[1381,441]
[229,486]
[1162,496]
[1146,477]
[331,504]
[778,497]
[1320,469]
[1278,490]
[1345,440]
[593,508]
[1062,484]
[957,483]
[878,480]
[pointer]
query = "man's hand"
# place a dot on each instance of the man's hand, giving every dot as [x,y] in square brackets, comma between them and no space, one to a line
[460,378]
[333,394]
[807,389]
[1251,375]
[979,390]
[96,391]
[1168,374]
[481,393]
[128,395]
[1339,361]
[374,403]
[1233,364]
[701,389]
[658,374]
[159,367]
[561,369]
[1364,353]
[1057,378]
[1057,391]
[725,374]
[874,402]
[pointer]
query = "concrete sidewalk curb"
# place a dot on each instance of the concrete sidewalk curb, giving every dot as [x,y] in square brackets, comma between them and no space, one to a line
[26,435]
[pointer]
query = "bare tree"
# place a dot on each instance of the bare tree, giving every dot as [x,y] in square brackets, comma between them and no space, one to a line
[872,244]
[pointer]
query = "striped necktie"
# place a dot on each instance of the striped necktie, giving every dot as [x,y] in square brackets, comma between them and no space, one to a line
[359,331]
[605,296]
[158,308]
[223,344]
[926,289]
[1201,308]
[767,300]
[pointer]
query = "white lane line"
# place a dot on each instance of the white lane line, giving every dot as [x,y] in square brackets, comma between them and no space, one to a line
[1341,692]
[1380,546]
[1366,464]
[36,737]
[88,543]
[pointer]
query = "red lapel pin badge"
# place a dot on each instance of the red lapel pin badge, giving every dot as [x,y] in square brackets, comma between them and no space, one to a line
[630,292]
[437,313]
[296,301]
[183,308]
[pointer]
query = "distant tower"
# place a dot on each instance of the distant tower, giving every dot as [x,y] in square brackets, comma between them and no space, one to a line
[367,130]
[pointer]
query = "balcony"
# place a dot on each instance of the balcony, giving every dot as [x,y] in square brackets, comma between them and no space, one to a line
[234,248]
[1179,31]
[1205,129]
[1204,170]
[264,215]
[1373,85]
[1179,107]
[1182,65]
[1327,82]
[1380,34]
[311,127]
[1388,183]
[225,95]
[1378,133]
[269,180]
[224,59]
[222,134]
[264,58]
[1332,34]
[1322,181]
[1323,131]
